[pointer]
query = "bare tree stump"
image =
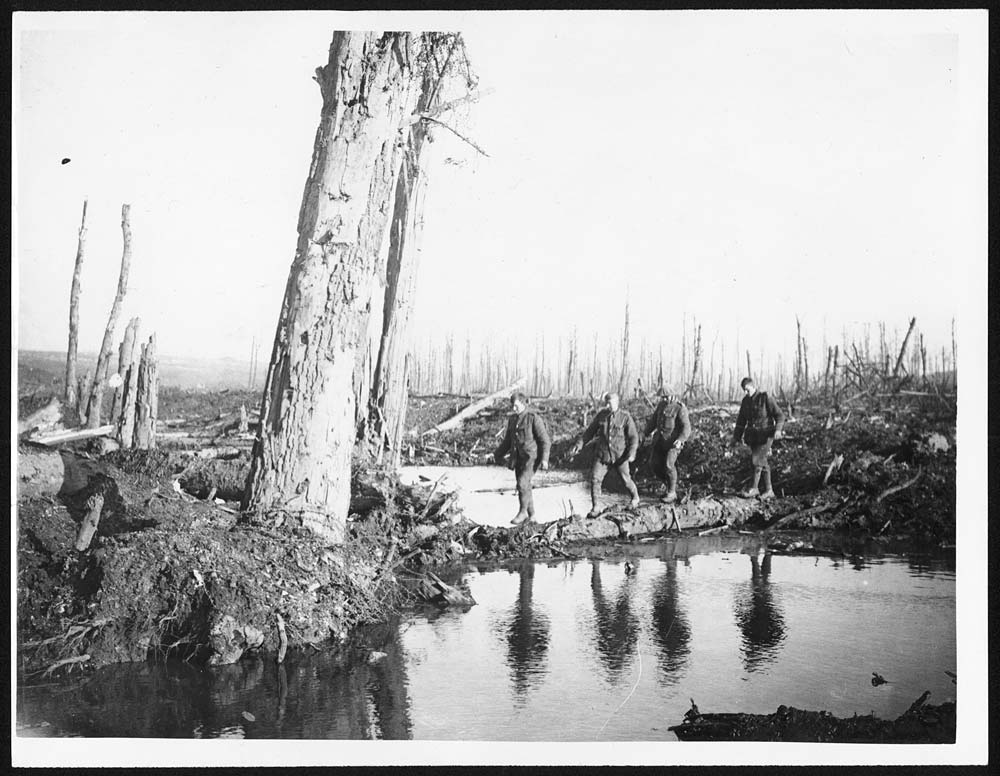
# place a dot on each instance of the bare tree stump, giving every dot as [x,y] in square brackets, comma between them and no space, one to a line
[126,354]
[97,390]
[146,401]
[74,314]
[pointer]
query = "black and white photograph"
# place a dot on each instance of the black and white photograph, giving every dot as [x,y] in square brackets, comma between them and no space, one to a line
[499,387]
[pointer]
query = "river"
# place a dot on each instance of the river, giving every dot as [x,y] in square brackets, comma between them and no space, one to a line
[568,651]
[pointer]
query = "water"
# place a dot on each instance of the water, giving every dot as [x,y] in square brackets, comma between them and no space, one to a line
[570,651]
[487,494]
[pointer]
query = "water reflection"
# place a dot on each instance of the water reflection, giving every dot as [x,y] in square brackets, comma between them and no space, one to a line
[527,635]
[309,696]
[759,618]
[616,627]
[671,632]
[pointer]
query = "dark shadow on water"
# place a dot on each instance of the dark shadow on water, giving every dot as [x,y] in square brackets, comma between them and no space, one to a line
[759,617]
[526,632]
[671,632]
[616,628]
[321,695]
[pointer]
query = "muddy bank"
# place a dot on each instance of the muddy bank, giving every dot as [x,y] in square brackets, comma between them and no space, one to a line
[169,574]
[922,723]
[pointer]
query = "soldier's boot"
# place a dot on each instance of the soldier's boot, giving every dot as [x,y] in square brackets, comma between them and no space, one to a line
[671,494]
[519,518]
[752,492]
[767,493]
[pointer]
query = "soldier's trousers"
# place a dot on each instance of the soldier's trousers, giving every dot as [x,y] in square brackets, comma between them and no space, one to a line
[524,469]
[597,479]
[759,451]
[663,463]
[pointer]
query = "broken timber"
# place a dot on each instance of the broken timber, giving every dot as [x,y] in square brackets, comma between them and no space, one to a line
[457,420]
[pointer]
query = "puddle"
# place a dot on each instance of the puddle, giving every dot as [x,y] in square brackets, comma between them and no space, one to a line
[570,651]
[487,495]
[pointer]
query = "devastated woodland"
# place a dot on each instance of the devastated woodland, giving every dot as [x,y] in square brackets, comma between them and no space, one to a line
[160,522]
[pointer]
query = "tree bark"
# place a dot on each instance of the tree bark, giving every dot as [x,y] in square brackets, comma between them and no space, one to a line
[146,401]
[125,355]
[130,389]
[386,417]
[302,458]
[74,314]
[97,390]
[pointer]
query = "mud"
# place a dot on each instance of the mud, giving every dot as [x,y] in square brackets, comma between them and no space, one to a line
[920,724]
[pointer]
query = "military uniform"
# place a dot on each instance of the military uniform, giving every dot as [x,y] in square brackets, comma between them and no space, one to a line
[527,441]
[671,427]
[759,419]
[617,440]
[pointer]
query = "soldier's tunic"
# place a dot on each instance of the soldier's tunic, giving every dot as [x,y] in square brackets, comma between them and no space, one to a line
[527,441]
[759,419]
[669,424]
[616,440]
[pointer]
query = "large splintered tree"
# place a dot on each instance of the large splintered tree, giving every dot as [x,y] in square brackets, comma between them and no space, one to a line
[382,375]
[302,459]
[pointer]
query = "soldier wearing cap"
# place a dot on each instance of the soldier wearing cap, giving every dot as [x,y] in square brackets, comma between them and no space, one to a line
[759,423]
[670,428]
[616,441]
[527,441]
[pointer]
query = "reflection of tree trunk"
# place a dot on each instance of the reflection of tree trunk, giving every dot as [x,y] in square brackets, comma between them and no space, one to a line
[671,631]
[527,634]
[616,626]
[388,689]
[302,458]
[758,617]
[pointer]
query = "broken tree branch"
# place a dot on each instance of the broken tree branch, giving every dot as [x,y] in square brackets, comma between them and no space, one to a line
[457,420]
[897,488]
[455,132]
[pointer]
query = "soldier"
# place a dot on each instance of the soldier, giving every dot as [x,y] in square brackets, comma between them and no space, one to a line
[527,441]
[617,441]
[670,426]
[760,421]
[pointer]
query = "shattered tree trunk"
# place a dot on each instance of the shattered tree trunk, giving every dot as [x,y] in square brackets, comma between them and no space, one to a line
[130,388]
[125,356]
[97,389]
[386,410]
[146,398]
[74,314]
[302,457]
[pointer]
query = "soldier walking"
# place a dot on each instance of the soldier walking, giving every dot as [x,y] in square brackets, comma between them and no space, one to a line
[759,423]
[616,442]
[670,427]
[527,442]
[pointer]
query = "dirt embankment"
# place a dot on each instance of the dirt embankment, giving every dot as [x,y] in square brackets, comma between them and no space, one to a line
[169,574]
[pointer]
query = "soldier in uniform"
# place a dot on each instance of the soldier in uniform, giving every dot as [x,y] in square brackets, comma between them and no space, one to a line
[616,441]
[527,441]
[670,428]
[759,423]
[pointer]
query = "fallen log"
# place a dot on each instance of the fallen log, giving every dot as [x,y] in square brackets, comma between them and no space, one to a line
[456,420]
[920,724]
[89,525]
[811,511]
[72,435]
[897,488]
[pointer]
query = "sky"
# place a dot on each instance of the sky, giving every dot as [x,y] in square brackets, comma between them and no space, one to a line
[738,168]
